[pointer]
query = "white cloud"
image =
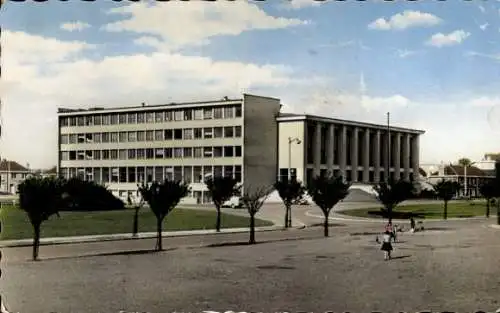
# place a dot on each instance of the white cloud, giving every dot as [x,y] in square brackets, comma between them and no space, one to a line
[300,4]
[31,48]
[485,102]
[406,53]
[405,20]
[495,57]
[454,38]
[194,23]
[74,26]
[484,26]
[32,91]
[481,8]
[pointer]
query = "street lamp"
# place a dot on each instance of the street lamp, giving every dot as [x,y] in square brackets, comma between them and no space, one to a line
[290,141]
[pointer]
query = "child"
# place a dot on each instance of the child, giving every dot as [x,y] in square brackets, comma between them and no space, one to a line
[386,245]
[389,228]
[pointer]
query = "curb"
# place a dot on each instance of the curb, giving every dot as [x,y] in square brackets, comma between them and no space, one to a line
[495,226]
[145,235]
[343,217]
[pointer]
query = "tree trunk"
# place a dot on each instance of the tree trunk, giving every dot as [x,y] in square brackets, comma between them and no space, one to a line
[389,214]
[159,246]
[290,216]
[36,241]
[498,212]
[286,215]
[445,213]
[252,229]
[217,224]
[325,224]
[135,229]
[488,207]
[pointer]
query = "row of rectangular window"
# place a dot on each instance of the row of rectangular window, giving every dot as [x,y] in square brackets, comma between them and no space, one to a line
[188,174]
[153,153]
[154,135]
[158,116]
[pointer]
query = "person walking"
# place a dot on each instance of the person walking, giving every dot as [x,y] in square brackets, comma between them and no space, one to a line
[389,228]
[386,245]
[412,224]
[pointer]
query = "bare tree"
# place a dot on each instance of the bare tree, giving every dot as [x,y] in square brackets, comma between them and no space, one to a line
[137,202]
[446,190]
[221,189]
[289,192]
[253,199]
[326,192]
[162,199]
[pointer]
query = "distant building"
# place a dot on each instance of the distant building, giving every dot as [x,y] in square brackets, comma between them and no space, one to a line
[50,172]
[488,162]
[11,175]
[474,175]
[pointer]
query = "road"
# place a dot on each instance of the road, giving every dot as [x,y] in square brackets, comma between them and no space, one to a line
[453,267]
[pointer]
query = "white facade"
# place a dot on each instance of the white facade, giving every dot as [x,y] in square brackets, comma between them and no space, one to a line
[153,143]
[121,147]
[10,180]
[312,145]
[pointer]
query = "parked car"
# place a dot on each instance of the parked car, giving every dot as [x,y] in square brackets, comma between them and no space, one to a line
[234,203]
[304,200]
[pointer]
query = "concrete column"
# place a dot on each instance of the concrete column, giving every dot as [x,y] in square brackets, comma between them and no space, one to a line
[376,157]
[415,147]
[343,151]
[366,155]
[397,156]
[330,147]
[317,149]
[354,154]
[386,154]
[406,156]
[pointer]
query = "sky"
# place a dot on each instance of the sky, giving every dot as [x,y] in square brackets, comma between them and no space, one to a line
[434,65]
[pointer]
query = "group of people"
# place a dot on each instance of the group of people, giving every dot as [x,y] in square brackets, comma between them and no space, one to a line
[390,234]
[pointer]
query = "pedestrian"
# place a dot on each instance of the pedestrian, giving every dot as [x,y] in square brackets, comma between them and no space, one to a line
[389,228]
[386,245]
[412,224]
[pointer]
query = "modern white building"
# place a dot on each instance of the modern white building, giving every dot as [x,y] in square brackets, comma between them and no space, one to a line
[120,147]
[247,138]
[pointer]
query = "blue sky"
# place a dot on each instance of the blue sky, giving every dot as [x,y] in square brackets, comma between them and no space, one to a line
[432,64]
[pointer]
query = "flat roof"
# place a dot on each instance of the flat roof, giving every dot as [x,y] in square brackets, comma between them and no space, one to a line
[147,107]
[289,117]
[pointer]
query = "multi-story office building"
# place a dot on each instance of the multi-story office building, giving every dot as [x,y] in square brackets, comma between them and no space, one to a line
[120,147]
[246,138]
[312,145]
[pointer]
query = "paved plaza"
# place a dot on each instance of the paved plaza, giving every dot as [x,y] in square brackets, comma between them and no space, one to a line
[451,266]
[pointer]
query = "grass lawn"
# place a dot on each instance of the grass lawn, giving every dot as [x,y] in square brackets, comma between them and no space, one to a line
[428,211]
[15,223]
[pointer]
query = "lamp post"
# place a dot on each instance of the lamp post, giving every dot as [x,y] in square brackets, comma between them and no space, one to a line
[388,163]
[290,141]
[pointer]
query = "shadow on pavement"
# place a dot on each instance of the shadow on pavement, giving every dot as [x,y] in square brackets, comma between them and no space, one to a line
[246,243]
[329,224]
[275,267]
[118,253]
[400,257]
